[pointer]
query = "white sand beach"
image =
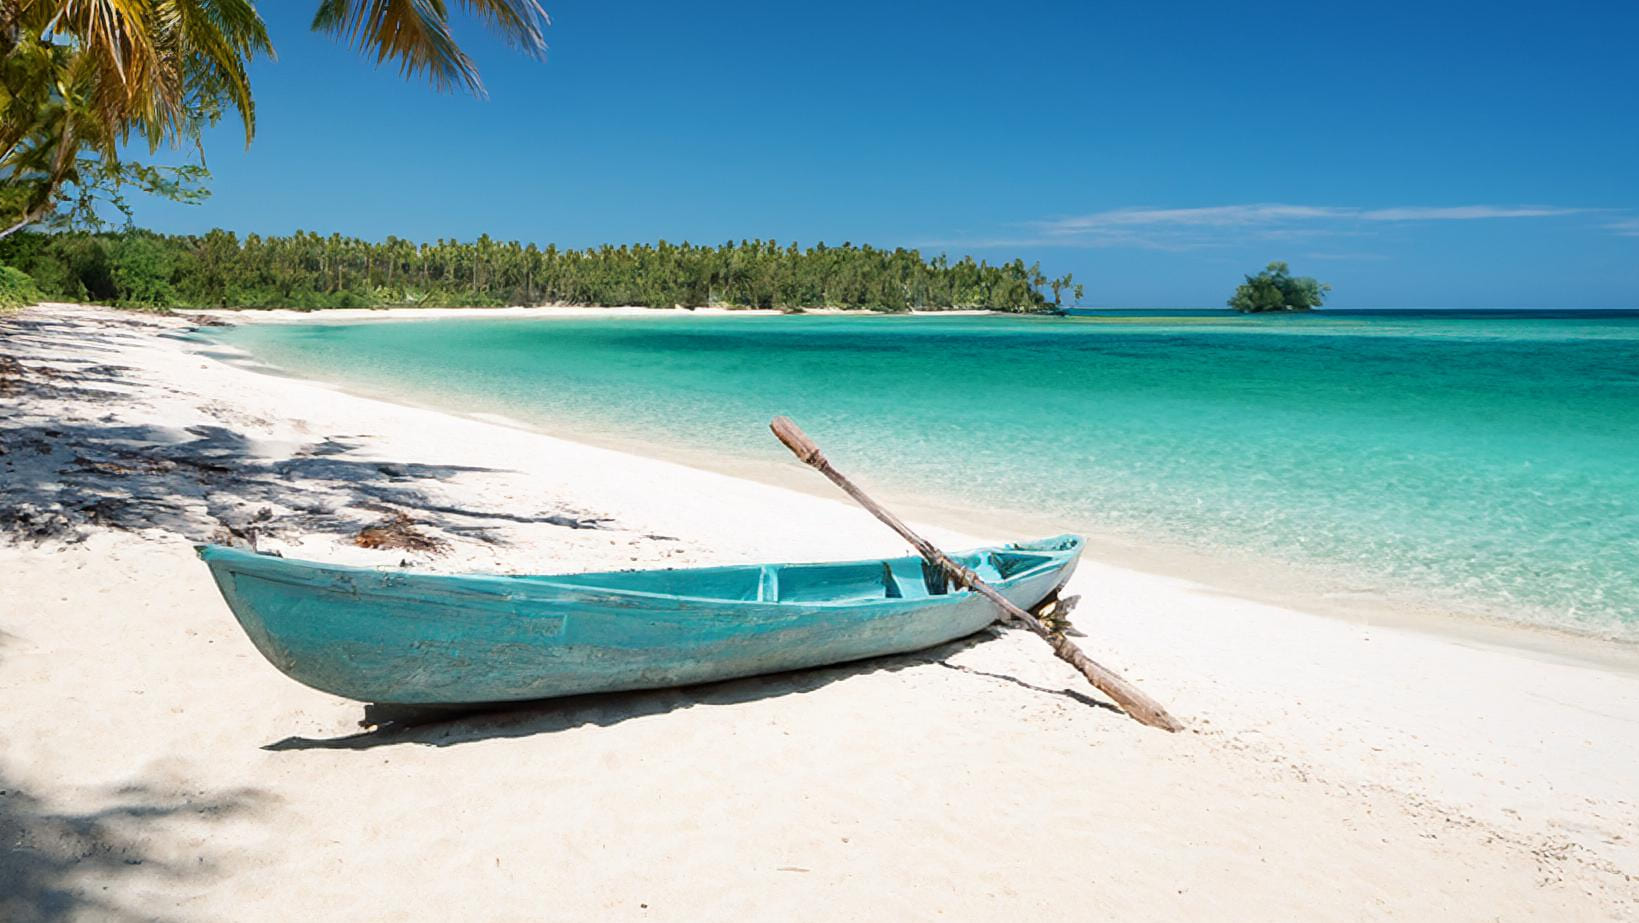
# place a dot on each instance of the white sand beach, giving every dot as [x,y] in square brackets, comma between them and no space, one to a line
[154,766]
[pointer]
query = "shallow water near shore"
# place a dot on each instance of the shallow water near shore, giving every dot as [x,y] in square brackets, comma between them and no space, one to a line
[1486,463]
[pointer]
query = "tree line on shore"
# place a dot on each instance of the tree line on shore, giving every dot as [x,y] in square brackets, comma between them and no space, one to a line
[137,268]
[83,84]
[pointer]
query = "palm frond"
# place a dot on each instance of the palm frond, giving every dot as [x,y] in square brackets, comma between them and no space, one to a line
[522,23]
[416,33]
[159,69]
[215,41]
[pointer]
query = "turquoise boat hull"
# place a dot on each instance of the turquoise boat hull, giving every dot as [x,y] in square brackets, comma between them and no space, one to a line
[405,638]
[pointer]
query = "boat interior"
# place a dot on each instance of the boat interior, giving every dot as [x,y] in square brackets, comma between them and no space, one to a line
[850,582]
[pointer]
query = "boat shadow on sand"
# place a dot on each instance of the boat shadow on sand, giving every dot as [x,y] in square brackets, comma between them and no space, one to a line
[388,725]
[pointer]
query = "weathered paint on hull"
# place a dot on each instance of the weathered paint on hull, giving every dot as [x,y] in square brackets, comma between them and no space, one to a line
[417,639]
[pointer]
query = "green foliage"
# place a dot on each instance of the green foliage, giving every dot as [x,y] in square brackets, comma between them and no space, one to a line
[141,268]
[1276,289]
[17,290]
[310,271]
[80,80]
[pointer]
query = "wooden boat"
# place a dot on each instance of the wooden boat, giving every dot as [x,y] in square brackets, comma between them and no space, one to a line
[405,638]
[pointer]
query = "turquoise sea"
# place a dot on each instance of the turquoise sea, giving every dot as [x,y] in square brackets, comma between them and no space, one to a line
[1488,462]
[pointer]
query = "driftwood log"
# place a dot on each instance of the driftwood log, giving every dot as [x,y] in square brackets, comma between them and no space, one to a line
[1136,704]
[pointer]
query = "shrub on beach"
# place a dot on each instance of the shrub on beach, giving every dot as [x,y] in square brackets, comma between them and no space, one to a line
[17,289]
[65,267]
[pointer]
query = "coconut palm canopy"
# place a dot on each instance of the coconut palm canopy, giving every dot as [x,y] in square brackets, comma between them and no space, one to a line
[416,33]
[78,78]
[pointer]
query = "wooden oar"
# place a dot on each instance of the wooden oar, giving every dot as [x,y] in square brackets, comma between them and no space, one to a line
[1136,704]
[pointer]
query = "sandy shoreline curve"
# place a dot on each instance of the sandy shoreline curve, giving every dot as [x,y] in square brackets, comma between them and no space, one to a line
[1331,770]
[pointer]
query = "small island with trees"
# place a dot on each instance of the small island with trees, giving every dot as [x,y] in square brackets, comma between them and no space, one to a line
[1276,289]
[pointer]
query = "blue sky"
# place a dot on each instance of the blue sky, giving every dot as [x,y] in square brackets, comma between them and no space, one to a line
[1413,154]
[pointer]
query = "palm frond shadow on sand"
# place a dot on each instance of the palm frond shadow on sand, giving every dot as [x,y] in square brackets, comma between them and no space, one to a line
[85,467]
[56,864]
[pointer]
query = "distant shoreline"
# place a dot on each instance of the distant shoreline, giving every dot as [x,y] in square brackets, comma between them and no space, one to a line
[261,315]
[291,315]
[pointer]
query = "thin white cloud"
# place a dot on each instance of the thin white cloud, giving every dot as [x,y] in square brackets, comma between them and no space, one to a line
[1466,212]
[1205,227]
[1103,239]
[1218,226]
[1223,216]
[1209,216]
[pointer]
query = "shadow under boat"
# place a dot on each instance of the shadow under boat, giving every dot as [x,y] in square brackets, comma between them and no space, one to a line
[448,725]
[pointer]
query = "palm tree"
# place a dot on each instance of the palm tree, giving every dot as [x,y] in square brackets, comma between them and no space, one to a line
[78,78]
[82,76]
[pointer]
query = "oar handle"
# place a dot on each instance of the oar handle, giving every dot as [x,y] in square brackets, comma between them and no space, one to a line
[787,431]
